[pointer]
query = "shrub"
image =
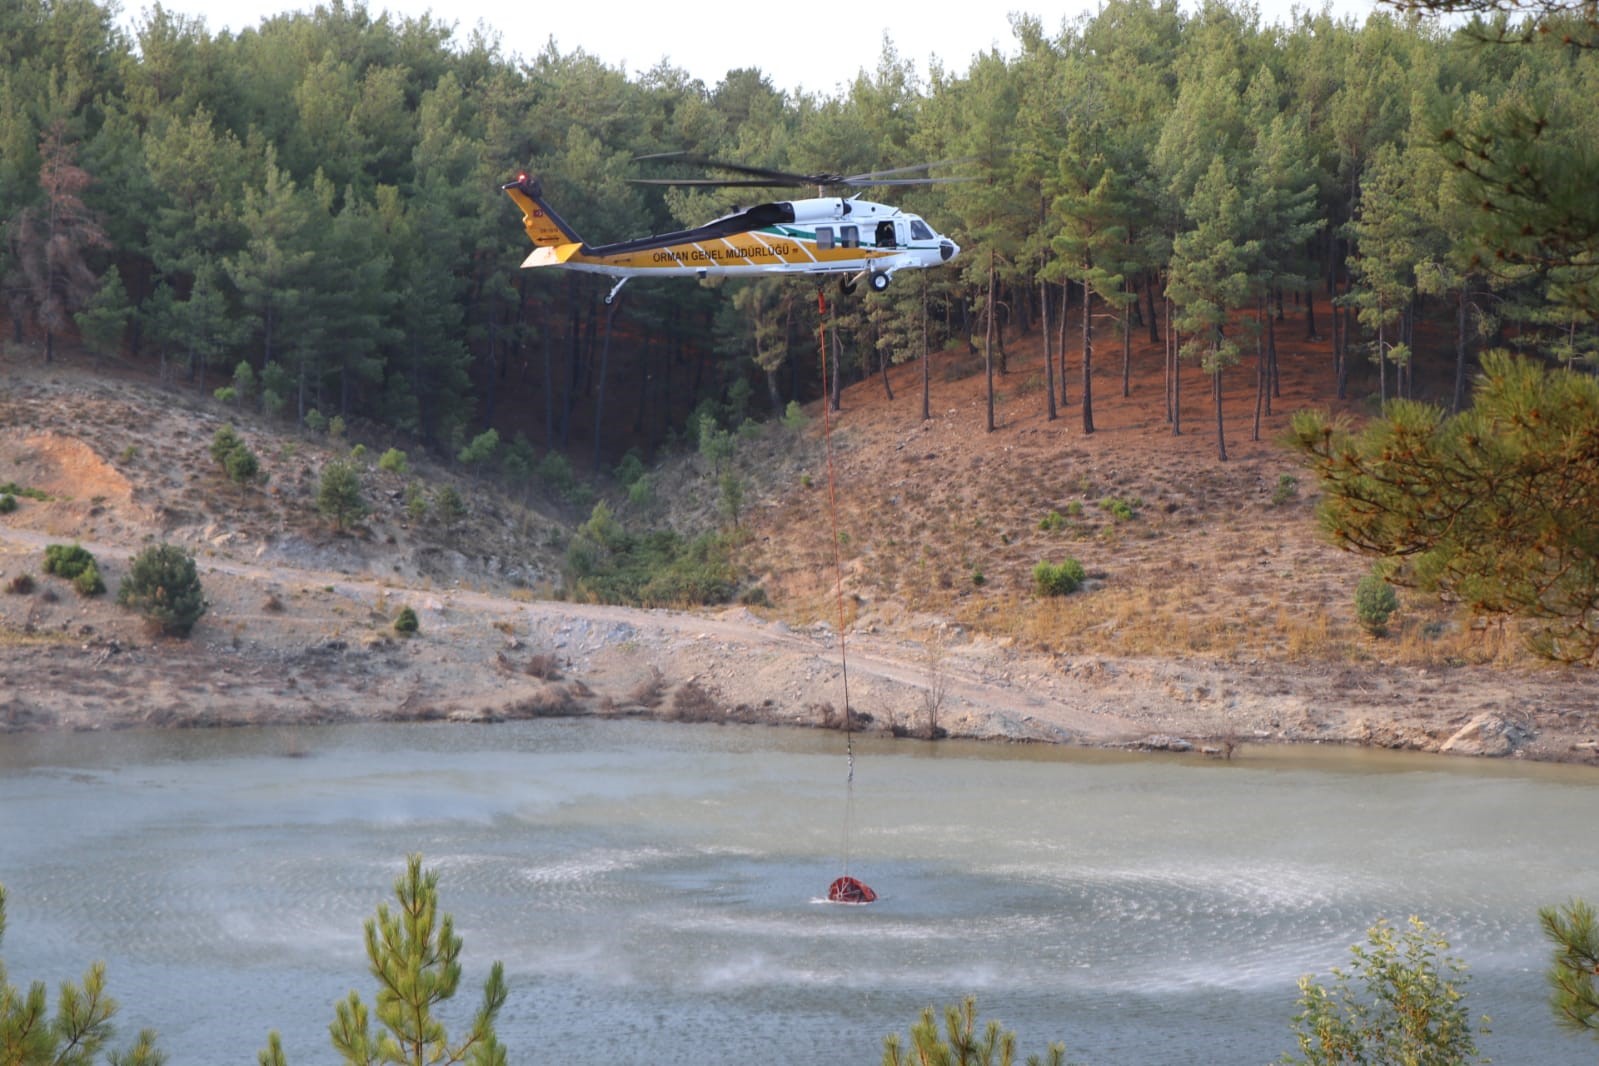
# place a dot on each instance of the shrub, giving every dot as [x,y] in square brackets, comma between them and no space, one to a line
[234,456]
[517,460]
[1287,488]
[242,465]
[979,578]
[243,381]
[275,379]
[1052,522]
[481,449]
[223,443]
[358,453]
[164,587]
[1058,579]
[416,502]
[316,421]
[226,394]
[338,496]
[1120,509]
[336,427]
[794,416]
[556,473]
[11,488]
[67,560]
[88,581]
[405,622]
[693,702]
[1375,600]
[8,503]
[1403,1001]
[731,495]
[716,444]
[630,469]
[21,585]
[449,504]
[393,461]
[606,562]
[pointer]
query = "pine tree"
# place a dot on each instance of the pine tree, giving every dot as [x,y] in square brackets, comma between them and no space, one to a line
[1574,974]
[272,273]
[77,1033]
[338,495]
[1209,275]
[1493,506]
[163,585]
[414,954]
[961,1044]
[104,318]
[50,241]
[1091,242]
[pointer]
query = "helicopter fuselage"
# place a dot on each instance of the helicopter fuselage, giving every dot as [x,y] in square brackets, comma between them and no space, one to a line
[821,235]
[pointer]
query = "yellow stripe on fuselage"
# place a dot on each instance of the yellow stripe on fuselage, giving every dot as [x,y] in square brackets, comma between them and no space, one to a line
[730,253]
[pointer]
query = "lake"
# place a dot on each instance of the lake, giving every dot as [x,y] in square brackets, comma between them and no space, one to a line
[651,888]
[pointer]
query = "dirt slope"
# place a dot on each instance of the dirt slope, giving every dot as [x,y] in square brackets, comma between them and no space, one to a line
[1213,613]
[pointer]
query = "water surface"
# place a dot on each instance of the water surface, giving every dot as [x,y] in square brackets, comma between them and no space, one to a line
[651,888]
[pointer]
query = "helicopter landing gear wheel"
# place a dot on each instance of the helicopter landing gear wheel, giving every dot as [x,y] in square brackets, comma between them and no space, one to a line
[846,285]
[878,282]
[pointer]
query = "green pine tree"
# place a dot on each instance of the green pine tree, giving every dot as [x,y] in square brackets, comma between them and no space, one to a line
[414,954]
[104,319]
[1574,974]
[1493,506]
[961,1044]
[338,495]
[1209,276]
[163,585]
[76,1034]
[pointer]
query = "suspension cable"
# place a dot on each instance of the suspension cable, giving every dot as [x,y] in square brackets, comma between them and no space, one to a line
[838,572]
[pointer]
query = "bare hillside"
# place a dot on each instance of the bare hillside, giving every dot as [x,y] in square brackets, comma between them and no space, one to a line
[1213,613]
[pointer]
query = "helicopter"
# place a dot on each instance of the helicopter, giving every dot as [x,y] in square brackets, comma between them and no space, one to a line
[839,235]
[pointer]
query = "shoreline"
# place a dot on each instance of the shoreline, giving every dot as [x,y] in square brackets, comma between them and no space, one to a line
[484,658]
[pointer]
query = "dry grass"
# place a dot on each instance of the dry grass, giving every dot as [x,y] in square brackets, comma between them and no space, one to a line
[1215,561]
[694,702]
[649,692]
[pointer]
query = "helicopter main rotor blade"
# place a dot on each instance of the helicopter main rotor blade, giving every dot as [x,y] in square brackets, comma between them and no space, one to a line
[776,176]
[871,176]
[766,177]
[716,183]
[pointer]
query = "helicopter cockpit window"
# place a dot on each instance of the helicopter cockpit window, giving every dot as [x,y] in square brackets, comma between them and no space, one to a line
[849,236]
[824,238]
[885,234]
[919,230]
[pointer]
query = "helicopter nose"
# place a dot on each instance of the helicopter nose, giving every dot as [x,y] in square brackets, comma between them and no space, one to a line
[948,250]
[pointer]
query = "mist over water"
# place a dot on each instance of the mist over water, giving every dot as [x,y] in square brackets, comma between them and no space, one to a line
[650,888]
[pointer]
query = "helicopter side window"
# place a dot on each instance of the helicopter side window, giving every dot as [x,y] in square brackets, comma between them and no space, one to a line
[849,236]
[824,238]
[919,230]
[885,234]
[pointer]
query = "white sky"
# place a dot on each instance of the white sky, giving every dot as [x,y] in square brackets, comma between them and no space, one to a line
[818,46]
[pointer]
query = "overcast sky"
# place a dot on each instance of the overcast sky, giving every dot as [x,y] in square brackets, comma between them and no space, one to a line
[818,47]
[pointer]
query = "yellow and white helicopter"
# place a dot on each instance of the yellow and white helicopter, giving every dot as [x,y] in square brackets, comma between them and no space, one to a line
[846,236]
